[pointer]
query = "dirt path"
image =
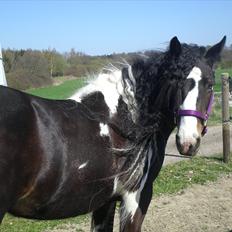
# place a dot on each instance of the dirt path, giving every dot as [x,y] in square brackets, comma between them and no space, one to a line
[206,208]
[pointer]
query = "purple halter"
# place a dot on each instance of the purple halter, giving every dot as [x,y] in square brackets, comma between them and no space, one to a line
[198,114]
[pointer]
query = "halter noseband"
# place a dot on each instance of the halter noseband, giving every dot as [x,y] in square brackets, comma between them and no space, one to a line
[198,114]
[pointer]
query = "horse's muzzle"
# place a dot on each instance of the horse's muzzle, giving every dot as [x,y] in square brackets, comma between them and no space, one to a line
[188,147]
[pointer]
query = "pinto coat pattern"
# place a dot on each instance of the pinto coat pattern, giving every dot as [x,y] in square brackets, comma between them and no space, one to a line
[63,158]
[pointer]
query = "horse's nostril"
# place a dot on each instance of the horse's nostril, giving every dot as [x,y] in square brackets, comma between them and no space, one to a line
[190,147]
[177,138]
[186,147]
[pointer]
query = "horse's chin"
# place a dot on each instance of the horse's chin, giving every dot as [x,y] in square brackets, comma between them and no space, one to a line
[188,149]
[189,153]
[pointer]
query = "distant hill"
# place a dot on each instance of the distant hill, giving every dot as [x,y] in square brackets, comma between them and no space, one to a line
[29,68]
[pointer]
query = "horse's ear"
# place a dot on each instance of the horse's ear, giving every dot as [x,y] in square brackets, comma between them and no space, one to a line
[213,54]
[175,47]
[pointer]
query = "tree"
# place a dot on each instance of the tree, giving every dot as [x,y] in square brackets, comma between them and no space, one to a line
[28,69]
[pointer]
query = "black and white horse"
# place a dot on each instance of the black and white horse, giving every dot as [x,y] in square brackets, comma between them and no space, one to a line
[63,158]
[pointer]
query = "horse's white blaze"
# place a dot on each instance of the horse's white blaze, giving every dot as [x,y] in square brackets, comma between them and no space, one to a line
[104,130]
[188,132]
[83,165]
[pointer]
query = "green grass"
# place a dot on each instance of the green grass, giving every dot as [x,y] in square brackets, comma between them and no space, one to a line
[61,91]
[173,178]
[218,72]
[216,114]
[199,170]
[13,224]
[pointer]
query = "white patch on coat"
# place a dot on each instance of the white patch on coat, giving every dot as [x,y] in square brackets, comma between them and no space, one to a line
[104,130]
[130,204]
[108,84]
[131,199]
[83,165]
[115,185]
[188,124]
[112,87]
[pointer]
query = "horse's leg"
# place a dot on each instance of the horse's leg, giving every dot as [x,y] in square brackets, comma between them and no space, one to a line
[7,179]
[5,196]
[1,216]
[133,209]
[5,199]
[135,204]
[103,218]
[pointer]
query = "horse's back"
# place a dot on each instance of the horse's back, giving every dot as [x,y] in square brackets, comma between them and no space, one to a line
[59,158]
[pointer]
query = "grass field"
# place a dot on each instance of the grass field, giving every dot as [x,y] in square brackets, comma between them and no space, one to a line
[218,72]
[172,179]
[67,88]
[61,91]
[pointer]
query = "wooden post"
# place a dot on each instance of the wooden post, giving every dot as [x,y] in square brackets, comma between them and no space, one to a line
[225,117]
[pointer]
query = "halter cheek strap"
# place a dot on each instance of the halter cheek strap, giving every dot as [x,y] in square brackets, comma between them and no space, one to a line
[198,114]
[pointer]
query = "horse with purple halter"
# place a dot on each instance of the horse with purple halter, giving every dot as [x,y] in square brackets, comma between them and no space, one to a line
[63,158]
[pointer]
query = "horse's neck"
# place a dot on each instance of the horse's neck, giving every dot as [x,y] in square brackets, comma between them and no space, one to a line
[122,122]
[166,126]
[95,105]
[138,146]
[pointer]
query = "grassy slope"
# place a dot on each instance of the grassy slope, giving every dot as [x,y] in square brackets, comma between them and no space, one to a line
[61,91]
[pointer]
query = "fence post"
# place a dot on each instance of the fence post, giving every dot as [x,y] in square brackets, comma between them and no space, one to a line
[225,117]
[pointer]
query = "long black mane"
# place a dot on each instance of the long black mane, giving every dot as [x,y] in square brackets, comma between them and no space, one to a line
[160,85]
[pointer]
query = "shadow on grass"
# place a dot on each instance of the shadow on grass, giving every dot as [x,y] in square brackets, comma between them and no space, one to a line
[216,158]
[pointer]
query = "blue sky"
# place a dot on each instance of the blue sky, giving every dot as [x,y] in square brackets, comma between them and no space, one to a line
[105,27]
